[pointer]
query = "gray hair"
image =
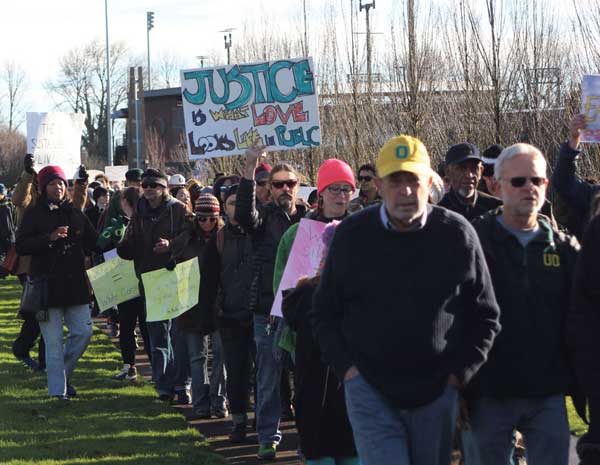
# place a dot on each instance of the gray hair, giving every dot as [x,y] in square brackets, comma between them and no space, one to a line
[513,151]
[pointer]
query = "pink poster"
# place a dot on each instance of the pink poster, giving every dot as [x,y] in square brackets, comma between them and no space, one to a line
[304,258]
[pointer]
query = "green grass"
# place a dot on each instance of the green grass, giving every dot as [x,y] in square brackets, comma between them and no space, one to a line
[110,423]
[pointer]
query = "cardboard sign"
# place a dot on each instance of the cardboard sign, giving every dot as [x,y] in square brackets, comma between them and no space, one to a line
[171,293]
[116,173]
[55,139]
[231,108]
[590,107]
[114,282]
[304,259]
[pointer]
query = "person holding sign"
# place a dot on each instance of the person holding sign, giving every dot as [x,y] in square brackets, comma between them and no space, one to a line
[156,236]
[58,236]
[402,346]
[266,224]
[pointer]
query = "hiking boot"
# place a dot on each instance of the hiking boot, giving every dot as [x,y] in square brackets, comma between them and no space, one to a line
[183,397]
[71,391]
[238,433]
[267,451]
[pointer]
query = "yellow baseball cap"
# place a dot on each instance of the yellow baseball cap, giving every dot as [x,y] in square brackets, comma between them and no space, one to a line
[403,153]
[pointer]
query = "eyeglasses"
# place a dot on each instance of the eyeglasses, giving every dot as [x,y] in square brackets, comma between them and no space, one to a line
[364,178]
[204,219]
[151,185]
[225,188]
[261,183]
[291,183]
[337,189]
[520,181]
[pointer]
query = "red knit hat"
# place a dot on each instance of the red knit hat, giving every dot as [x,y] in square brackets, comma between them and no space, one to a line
[49,173]
[332,171]
[207,205]
[262,171]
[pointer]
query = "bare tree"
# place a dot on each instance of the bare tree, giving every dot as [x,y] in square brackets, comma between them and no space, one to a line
[15,82]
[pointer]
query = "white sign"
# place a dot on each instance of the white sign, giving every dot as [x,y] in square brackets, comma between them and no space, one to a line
[590,107]
[116,173]
[55,139]
[231,108]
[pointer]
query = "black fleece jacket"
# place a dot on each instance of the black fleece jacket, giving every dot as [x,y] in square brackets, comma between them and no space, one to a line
[407,308]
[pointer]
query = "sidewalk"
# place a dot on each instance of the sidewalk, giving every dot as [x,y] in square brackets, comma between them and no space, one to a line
[217,430]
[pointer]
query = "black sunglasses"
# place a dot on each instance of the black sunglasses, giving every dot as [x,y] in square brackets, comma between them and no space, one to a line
[204,219]
[364,178]
[519,181]
[291,183]
[151,185]
[261,183]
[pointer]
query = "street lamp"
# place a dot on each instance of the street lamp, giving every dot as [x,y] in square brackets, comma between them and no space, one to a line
[149,26]
[201,58]
[228,43]
[108,119]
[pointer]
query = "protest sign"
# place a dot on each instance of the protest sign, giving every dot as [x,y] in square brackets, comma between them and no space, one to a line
[110,254]
[55,139]
[114,282]
[590,107]
[228,109]
[116,173]
[304,259]
[171,293]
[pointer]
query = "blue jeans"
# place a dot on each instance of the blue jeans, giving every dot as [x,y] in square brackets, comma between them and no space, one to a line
[163,359]
[542,422]
[385,435]
[218,374]
[60,362]
[268,381]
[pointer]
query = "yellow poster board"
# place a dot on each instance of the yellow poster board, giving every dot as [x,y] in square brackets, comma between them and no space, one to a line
[171,293]
[114,282]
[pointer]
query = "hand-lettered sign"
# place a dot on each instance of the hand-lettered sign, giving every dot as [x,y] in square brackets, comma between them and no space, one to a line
[114,282]
[590,107]
[55,139]
[231,108]
[171,293]
[304,259]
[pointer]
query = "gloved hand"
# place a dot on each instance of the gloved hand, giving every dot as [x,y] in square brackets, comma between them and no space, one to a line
[171,264]
[82,176]
[28,163]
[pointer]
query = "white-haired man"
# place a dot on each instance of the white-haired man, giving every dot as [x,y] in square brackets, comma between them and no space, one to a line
[523,383]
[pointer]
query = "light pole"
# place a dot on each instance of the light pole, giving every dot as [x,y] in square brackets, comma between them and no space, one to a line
[367,7]
[108,118]
[201,58]
[149,26]
[228,48]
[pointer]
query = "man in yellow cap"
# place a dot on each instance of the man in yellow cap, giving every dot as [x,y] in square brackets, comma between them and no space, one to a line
[406,336]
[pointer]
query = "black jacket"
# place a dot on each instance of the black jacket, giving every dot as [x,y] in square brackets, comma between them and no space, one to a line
[265,224]
[321,415]
[62,260]
[483,204]
[532,285]
[7,225]
[584,318]
[424,310]
[226,276]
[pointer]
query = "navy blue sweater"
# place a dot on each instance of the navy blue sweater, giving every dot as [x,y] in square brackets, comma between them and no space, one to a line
[407,308]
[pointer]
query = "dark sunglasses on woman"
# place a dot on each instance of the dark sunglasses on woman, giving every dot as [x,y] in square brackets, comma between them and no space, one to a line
[204,219]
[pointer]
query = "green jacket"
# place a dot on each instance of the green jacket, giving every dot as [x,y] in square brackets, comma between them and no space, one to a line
[532,285]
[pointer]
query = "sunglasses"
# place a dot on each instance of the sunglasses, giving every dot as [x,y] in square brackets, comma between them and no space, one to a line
[364,178]
[520,181]
[204,219]
[337,189]
[291,183]
[261,183]
[151,185]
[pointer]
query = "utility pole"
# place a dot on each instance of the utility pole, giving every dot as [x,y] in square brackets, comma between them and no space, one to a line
[149,26]
[108,118]
[201,58]
[367,7]
[305,30]
[228,48]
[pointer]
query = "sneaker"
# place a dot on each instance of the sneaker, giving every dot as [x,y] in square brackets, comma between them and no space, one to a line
[165,397]
[71,391]
[183,397]
[267,451]
[62,398]
[219,412]
[238,433]
[202,414]
[127,372]
[114,330]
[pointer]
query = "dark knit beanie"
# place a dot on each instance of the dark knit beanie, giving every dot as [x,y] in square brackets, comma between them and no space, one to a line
[134,175]
[48,174]
[99,192]
[154,175]
[489,159]
[207,205]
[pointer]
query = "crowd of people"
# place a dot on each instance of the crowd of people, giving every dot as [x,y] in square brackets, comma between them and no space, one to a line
[452,309]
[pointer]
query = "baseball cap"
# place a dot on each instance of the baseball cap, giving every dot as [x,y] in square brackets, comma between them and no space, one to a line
[403,153]
[461,152]
[177,180]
